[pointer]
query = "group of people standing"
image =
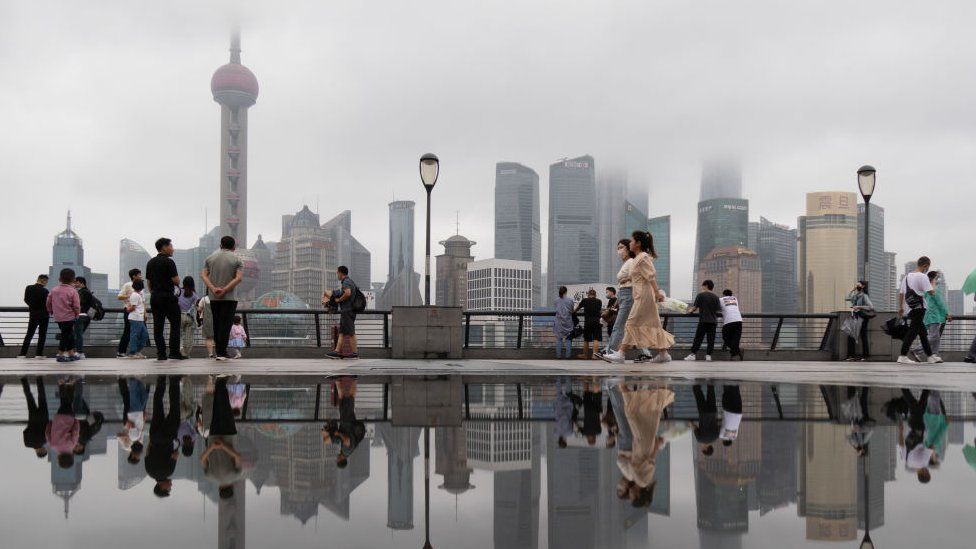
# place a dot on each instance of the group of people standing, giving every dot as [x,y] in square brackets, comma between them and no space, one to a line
[70,303]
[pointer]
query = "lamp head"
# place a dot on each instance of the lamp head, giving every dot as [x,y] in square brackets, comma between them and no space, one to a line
[866,181]
[430,166]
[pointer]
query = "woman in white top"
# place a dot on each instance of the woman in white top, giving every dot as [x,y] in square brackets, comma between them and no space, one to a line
[731,324]
[625,295]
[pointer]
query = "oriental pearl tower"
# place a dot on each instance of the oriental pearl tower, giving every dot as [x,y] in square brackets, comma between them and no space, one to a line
[235,88]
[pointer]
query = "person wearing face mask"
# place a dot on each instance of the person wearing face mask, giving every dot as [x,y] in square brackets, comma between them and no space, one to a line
[862,307]
[913,291]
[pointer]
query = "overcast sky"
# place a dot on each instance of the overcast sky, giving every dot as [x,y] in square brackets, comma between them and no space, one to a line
[107,110]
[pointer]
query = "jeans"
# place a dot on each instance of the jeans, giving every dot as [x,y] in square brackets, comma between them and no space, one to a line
[564,344]
[731,335]
[625,438]
[863,336]
[625,300]
[67,342]
[223,318]
[934,330]
[916,328]
[188,325]
[704,330]
[81,324]
[138,336]
[165,309]
[36,323]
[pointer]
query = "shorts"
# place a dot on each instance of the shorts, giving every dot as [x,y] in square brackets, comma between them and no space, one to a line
[347,323]
[593,332]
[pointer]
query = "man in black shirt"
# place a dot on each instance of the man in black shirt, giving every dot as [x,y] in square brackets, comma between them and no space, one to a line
[707,305]
[163,281]
[592,330]
[87,300]
[35,296]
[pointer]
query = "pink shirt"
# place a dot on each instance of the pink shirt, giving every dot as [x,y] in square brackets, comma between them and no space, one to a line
[63,302]
[62,433]
[237,332]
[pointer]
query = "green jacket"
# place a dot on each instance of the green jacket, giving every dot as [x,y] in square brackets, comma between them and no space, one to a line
[935,309]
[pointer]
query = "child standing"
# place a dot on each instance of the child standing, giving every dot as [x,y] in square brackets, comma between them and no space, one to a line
[64,305]
[731,324]
[237,337]
[138,333]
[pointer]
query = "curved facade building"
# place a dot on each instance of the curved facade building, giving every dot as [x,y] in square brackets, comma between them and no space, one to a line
[131,256]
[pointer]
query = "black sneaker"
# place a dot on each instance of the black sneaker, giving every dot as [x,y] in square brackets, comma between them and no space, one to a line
[970,360]
[642,358]
[333,355]
[178,357]
[161,358]
[351,356]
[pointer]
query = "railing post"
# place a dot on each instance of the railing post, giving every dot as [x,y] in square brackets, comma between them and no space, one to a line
[826,336]
[779,326]
[521,318]
[386,401]
[665,324]
[247,340]
[779,405]
[467,332]
[467,403]
[518,389]
[318,331]
[318,399]
[386,337]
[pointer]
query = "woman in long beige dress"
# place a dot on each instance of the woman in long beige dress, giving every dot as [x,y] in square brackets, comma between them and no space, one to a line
[643,410]
[643,328]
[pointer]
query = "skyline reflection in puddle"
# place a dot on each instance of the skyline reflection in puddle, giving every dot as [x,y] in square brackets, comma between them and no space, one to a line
[569,462]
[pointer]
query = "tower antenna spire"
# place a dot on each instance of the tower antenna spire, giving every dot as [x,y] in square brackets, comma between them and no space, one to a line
[69,220]
[235,46]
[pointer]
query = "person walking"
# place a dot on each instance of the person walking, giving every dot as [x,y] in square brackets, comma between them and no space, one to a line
[592,330]
[914,289]
[936,317]
[562,327]
[163,281]
[643,327]
[35,296]
[205,315]
[863,309]
[625,298]
[64,305]
[643,409]
[222,272]
[707,306]
[609,315]
[344,297]
[971,355]
[731,324]
[136,319]
[124,293]
[87,300]
[187,302]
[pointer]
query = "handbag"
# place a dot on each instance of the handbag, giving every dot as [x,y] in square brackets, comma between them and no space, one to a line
[895,327]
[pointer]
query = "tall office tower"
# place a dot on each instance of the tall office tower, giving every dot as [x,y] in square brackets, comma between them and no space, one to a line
[776,246]
[722,223]
[621,209]
[878,265]
[737,269]
[68,252]
[891,269]
[349,251]
[452,285]
[829,483]
[402,283]
[660,229]
[131,256]
[235,88]
[518,231]
[573,253]
[305,262]
[956,302]
[451,459]
[827,251]
[402,448]
[263,255]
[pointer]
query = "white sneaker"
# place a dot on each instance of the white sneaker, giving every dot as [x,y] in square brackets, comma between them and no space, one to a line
[708,358]
[935,359]
[661,358]
[615,357]
[691,357]
[21,356]
[905,360]
[81,356]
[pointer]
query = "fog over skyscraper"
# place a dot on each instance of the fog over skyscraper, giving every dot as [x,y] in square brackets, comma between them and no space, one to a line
[621,209]
[518,232]
[572,224]
[721,178]
[723,215]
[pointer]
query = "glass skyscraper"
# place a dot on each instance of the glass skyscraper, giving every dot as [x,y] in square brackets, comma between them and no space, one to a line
[880,284]
[518,232]
[573,251]
[722,223]
[660,229]
[776,246]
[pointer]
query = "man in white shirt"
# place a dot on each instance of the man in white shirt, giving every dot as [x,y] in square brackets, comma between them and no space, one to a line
[731,324]
[134,274]
[914,287]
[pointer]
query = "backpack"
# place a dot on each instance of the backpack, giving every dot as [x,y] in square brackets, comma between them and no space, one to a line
[358,302]
[99,309]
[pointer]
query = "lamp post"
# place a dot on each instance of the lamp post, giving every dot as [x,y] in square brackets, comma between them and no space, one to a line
[427,544]
[865,183]
[866,543]
[430,166]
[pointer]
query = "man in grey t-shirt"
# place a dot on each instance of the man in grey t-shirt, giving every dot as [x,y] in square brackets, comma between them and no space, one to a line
[347,315]
[222,272]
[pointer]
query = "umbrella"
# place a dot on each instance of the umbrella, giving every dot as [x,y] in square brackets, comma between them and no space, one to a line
[969,287]
[970,453]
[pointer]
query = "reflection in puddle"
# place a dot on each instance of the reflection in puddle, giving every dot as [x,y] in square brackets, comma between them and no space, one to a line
[567,462]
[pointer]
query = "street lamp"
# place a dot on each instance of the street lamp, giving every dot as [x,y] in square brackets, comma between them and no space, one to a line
[430,166]
[866,543]
[427,544]
[866,182]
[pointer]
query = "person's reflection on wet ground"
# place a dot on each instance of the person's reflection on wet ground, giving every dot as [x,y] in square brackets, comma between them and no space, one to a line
[706,431]
[610,423]
[190,418]
[163,449]
[590,428]
[90,423]
[855,411]
[135,397]
[37,418]
[221,462]
[643,409]
[911,446]
[624,443]
[936,429]
[348,432]
[63,431]
[566,411]
[731,414]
